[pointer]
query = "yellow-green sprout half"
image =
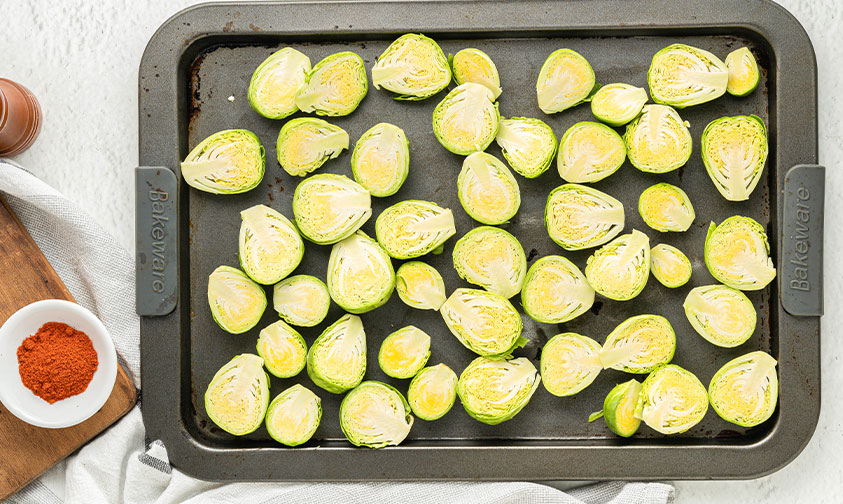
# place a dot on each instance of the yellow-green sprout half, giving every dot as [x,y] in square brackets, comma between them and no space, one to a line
[413,67]
[495,390]
[413,228]
[569,363]
[381,159]
[527,144]
[432,392]
[619,409]
[579,217]
[473,65]
[658,141]
[639,345]
[336,360]
[743,72]
[270,246]
[329,208]
[722,315]
[487,189]
[360,274]
[227,162]
[335,86]
[589,151]
[283,349]
[404,352]
[670,266]
[238,395]
[273,87]
[734,150]
[682,76]
[745,391]
[375,415]
[301,300]
[484,322]
[737,254]
[306,143]
[467,119]
[555,291]
[237,302]
[672,400]
[566,79]
[491,258]
[420,286]
[617,104]
[294,416]
[619,270]
[665,207]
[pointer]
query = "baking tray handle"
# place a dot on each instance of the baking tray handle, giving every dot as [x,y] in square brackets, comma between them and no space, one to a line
[801,267]
[156,206]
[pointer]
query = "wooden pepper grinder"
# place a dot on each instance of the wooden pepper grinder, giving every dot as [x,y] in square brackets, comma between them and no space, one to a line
[20,118]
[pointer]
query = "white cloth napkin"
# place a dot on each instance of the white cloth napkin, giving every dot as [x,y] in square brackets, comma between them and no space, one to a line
[122,466]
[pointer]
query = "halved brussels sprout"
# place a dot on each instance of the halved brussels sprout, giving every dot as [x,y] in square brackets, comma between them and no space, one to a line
[566,79]
[238,395]
[335,86]
[722,315]
[306,143]
[743,72]
[375,415]
[569,363]
[282,349]
[274,84]
[360,274]
[665,207]
[420,286]
[336,360]
[579,217]
[467,119]
[527,144]
[619,270]
[670,266]
[672,400]
[494,390]
[639,345]
[329,208]
[294,416]
[555,291]
[413,67]
[484,322]
[413,228]
[681,76]
[619,409]
[746,389]
[404,352]
[734,150]
[227,162]
[617,104]
[658,141]
[737,254]
[487,190]
[589,151]
[491,258]
[381,159]
[473,65]
[270,246]
[301,300]
[237,302]
[432,392]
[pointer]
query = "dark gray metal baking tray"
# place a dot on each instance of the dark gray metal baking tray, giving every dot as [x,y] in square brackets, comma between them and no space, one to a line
[193,79]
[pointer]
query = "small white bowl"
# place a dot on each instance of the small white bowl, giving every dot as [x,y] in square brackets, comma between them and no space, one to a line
[21,401]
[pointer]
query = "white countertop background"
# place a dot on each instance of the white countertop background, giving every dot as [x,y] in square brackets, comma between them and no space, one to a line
[81,57]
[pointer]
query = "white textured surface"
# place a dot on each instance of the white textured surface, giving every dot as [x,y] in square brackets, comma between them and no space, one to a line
[80,57]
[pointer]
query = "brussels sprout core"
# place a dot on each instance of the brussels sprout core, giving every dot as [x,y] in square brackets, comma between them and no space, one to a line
[493,390]
[743,72]
[619,270]
[375,415]
[639,345]
[270,246]
[283,350]
[745,390]
[414,228]
[420,286]
[579,217]
[491,258]
[734,150]
[227,162]
[527,144]
[658,141]
[237,303]
[467,119]
[381,159]
[360,274]
[294,416]
[672,400]
[569,363]
[432,392]
[670,266]
[722,315]
[682,76]
[473,65]
[306,143]
[487,190]
[414,67]
[274,84]
[404,352]
[555,291]
[737,254]
[335,86]
[484,322]
[337,359]
[617,104]
[238,395]
[665,207]
[566,79]
[329,208]
[301,300]
[619,409]
[589,151]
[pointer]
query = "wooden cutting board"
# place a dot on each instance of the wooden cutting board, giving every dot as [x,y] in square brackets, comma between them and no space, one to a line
[27,451]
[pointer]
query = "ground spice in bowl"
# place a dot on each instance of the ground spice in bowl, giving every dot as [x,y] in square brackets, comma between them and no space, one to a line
[57,362]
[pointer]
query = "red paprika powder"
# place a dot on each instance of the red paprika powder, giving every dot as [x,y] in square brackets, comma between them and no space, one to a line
[57,362]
